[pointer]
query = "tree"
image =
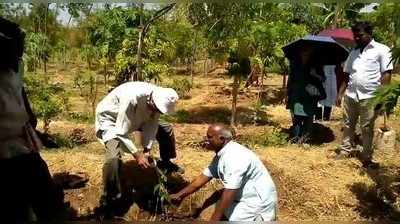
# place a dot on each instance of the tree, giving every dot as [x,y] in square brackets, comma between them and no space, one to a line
[226,28]
[45,98]
[268,40]
[340,14]
[107,30]
[142,34]
[37,50]
[239,67]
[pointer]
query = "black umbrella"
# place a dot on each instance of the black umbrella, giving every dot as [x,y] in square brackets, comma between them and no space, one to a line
[326,50]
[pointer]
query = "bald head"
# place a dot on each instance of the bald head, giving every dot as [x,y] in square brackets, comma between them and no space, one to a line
[217,136]
[222,131]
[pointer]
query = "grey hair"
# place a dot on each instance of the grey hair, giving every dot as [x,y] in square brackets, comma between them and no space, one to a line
[226,133]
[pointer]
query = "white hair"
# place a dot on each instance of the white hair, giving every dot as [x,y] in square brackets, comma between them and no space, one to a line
[226,133]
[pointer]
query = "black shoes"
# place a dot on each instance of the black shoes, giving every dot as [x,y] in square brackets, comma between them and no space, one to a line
[169,167]
[370,165]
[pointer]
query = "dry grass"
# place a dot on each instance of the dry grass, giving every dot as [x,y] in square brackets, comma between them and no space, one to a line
[311,186]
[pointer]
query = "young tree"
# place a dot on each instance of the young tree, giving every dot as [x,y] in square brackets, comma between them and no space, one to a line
[239,67]
[142,34]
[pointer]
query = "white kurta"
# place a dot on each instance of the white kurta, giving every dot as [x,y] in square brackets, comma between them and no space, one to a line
[239,168]
[125,110]
[330,86]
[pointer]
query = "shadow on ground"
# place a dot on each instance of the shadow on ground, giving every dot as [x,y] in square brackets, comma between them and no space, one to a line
[219,114]
[379,201]
[320,134]
[138,188]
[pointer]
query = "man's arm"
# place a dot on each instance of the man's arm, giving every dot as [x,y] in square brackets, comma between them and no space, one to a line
[228,195]
[199,182]
[148,134]
[386,77]
[342,89]
[122,128]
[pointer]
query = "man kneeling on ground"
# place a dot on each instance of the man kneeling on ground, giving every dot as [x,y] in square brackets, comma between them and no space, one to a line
[249,192]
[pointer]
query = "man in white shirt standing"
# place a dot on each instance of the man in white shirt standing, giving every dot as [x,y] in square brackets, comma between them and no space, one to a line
[132,106]
[249,192]
[368,67]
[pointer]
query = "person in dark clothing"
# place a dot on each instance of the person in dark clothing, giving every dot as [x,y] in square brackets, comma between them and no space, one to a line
[304,89]
[27,185]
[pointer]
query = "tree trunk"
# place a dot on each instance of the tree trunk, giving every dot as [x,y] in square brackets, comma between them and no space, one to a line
[385,121]
[139,58]
[205,66]
[105,76]
[261,89]
[192,58]
[138,75]
[235,90]
[284,79]
[45,33]
[191,71]
[93,90]
[46,126]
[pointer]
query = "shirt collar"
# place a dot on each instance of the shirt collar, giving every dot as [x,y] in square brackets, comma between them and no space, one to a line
[371,44]
[225,148]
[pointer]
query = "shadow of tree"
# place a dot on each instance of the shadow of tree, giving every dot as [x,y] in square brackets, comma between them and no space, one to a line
[220,114]
[378,202]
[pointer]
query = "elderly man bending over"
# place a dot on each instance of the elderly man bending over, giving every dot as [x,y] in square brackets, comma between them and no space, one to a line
[132,106]
[249,193]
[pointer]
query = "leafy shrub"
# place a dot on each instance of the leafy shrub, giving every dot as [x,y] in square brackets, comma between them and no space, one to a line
[181,116]
[182,87]
[274,137]
[45,98]
[80,117]
[75,138]
[62,141]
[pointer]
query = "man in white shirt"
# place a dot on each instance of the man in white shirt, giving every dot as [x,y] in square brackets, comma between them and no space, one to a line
[132,106]
[249,192]
[368,66]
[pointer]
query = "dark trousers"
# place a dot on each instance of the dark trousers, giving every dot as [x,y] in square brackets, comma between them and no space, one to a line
[323,112]
[113,166]
[166,140]
[26,184]
[302,127]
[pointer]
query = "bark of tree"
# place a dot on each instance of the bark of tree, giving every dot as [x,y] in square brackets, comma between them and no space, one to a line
[235,91]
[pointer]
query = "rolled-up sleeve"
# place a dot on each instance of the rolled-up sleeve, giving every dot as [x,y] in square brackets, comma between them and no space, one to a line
[149,132]
[349,63]
[386,63]
[123,125]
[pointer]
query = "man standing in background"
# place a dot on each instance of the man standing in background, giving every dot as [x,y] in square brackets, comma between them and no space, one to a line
[368,66]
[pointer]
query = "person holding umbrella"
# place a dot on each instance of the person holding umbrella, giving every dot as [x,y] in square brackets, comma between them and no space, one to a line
[304,89]
[307,55]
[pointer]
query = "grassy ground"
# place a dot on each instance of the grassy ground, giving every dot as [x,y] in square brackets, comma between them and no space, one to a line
[311,185]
